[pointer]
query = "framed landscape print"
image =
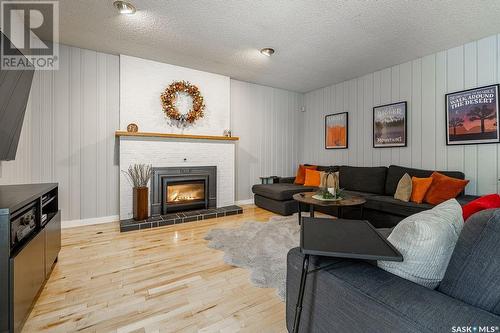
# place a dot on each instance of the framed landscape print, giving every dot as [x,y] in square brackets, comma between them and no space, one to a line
[336,130]
[389,125]
[472,116]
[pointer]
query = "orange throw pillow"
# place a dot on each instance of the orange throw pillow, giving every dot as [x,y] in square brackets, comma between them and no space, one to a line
[313,178]
[300,178]
[444,188]
[419,188]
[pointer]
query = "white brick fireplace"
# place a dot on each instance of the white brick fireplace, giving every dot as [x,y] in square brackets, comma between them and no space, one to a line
[141,84]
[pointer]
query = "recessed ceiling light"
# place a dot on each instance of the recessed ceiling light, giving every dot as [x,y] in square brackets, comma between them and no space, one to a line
[267,51]
[124,7]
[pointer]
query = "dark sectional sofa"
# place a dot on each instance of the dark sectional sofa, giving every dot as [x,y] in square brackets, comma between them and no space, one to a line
[356,296]
[376,184]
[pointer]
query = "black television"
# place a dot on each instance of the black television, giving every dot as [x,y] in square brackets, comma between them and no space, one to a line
[15,86]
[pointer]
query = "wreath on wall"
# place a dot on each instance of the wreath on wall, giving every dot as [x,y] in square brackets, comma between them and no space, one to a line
[169,96]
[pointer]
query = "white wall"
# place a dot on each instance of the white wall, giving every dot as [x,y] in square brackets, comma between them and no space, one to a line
[68,134]
[142,82]
[423,83]
[267,120]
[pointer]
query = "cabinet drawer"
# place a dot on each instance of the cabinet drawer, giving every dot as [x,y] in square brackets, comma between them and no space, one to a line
[52,242]
[28,275]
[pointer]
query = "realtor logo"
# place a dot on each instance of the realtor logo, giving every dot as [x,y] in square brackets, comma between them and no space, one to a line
[30,33]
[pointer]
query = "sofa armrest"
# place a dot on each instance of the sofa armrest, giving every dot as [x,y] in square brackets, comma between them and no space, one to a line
[288,180]
[355,296]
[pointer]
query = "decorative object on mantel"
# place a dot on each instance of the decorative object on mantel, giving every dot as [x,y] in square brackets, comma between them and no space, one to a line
[139,175]
[227,133]
[176,136]
[132,128]
[172,93]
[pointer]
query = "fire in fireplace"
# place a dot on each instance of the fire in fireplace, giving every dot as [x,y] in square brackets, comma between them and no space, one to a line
[185,192]
[178,189]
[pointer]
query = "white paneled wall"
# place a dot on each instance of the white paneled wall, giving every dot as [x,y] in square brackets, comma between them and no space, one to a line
[68,134]
[267,120]
[423,83]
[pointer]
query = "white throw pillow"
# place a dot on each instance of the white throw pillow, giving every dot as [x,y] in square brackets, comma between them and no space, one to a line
[426,240]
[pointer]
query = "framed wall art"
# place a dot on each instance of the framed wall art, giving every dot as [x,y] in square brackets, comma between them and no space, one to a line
[336,127]
[390,125]
[472,116]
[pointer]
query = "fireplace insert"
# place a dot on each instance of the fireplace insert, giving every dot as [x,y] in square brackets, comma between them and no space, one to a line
[185,194]
[177,189]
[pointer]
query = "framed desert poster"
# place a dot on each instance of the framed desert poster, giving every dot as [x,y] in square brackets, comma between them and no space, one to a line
[472,116]
[336,130]
[389,125]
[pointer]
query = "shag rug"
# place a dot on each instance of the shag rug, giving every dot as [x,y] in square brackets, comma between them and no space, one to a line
[259,247]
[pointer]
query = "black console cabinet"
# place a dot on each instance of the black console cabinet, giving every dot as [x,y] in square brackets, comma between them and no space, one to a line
[26,264]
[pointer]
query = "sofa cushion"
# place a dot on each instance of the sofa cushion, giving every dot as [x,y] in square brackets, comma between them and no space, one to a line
[358,194]
[444,188]
[363,179]
[473,274]
[404,189]
[301,173]
[327,168]
[419,187]
[426,240]
[354,296]
[479,204]
[394,206]
[395,172]
[313,178]
[280,191]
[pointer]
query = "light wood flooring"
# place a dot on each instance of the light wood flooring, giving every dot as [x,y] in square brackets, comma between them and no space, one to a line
[158,280]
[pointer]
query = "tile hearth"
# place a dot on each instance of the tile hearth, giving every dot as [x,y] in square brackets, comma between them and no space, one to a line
[181,217]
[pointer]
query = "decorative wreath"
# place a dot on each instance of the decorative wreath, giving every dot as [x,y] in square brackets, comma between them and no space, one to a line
[168,102]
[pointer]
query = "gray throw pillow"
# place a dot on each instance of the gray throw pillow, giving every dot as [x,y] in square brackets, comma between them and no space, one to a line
[426,240]
[403,191]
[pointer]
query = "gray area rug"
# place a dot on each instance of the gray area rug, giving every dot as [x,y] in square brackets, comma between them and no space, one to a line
[260,247]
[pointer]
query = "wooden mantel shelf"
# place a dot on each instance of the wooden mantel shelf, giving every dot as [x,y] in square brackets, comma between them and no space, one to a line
[176,136]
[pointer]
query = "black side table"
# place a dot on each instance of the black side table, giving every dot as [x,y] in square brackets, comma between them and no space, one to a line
[353,239]
[268,179]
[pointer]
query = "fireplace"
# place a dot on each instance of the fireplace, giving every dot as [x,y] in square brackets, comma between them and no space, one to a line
[175,189]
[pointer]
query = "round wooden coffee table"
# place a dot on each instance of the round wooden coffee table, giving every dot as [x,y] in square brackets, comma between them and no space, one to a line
[348,201]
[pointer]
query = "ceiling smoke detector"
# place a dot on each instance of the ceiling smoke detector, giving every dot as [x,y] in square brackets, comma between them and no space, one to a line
[267,51]
[124,7]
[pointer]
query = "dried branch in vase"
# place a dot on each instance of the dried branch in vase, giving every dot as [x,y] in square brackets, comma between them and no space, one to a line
[138,175]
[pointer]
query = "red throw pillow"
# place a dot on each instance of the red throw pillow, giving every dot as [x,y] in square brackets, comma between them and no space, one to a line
[485,202]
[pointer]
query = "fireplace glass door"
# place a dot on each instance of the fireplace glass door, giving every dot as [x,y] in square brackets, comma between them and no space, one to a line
[185,195]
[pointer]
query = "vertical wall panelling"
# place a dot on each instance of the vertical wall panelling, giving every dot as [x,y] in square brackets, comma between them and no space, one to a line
[267,120]
[423,83]
[470,81]
[68,134]
[395,152]
[487,62]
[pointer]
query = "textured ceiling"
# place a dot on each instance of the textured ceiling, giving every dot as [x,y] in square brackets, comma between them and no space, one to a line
[317,42]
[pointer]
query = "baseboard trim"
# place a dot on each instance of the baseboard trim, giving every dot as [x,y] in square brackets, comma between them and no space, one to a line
[91,221]
[244,202]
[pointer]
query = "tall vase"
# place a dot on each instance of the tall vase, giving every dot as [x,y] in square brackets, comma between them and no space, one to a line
[140,203]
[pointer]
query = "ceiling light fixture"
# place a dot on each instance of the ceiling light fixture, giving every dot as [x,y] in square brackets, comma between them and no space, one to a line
[267,51]
[124,7]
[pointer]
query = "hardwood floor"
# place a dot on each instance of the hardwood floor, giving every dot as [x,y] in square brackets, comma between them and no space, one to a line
[158,280]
